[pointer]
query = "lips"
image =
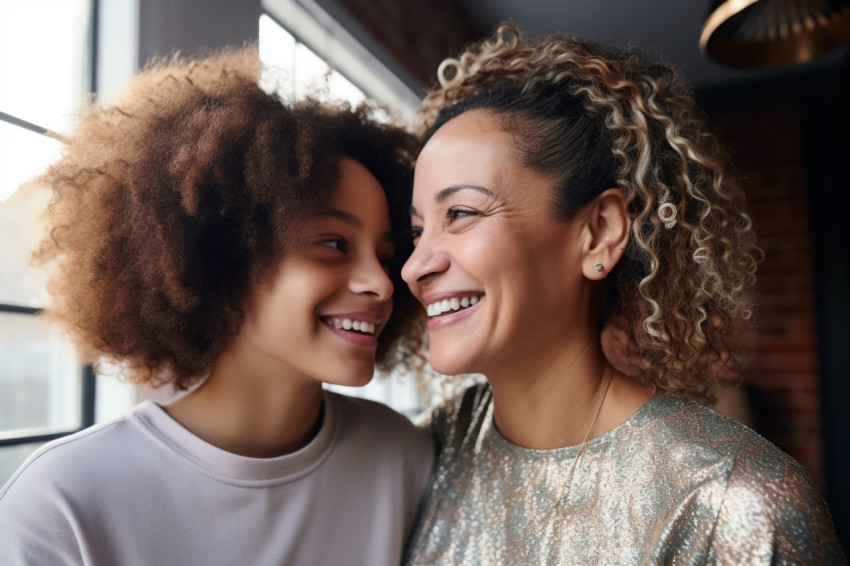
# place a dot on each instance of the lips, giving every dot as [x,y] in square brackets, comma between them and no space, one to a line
[452,304]
[355,325]
[359,328]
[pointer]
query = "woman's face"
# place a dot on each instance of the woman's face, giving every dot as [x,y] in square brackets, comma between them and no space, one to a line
[499,274]
[318,311]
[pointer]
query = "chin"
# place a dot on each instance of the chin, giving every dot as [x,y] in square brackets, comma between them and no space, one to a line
[451,365]
[455,353]
[346,383]
[351,380]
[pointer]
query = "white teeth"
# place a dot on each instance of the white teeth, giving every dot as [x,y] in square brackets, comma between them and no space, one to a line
[358,325]
[439,307]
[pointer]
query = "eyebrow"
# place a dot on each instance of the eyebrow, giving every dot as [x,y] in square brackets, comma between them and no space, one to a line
[352,220]
[449,191]
[346,217]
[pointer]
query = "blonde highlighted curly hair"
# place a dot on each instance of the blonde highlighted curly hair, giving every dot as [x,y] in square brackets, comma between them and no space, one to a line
[592,118]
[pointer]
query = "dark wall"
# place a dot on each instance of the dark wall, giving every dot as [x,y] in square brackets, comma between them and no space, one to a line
[169,25]
[788,139]
[419,35]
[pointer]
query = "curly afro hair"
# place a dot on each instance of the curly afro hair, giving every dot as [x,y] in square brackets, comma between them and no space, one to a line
[169,203]
[593,118]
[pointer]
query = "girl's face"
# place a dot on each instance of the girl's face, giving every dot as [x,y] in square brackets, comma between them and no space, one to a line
[500,275]
[318,311]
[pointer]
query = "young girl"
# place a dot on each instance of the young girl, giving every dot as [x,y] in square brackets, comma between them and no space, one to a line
[207,233]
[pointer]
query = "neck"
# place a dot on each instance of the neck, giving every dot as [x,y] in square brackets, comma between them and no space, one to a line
[252,409]
[551,403]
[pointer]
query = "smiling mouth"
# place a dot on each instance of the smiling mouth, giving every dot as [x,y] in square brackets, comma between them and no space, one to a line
[352,325]
[455,304]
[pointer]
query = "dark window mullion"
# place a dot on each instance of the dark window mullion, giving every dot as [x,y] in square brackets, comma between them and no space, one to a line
[15,121]
[19,309]
[87,396]
[33,438]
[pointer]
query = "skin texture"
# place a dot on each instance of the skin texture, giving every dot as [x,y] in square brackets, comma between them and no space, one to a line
[473,234]
[266,386]
[484,226]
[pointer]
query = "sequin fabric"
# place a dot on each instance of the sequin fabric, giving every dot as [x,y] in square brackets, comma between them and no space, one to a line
[676,483]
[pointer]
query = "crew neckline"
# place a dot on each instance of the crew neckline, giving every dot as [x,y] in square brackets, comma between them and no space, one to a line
[570,451]
[235,469]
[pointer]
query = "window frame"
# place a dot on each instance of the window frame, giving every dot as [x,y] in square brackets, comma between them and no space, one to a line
[311,25]
[88,382]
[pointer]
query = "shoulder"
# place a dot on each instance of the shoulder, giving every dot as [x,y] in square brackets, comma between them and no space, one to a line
[72,459]
[771,503]
[687,427]
[458,414]
[44,502]
[696,436]
[378,424]
[765,503]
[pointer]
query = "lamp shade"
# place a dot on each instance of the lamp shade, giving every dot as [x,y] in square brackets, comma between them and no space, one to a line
[763,34]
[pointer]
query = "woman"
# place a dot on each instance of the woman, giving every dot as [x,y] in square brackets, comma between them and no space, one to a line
[568,193]
[209,235]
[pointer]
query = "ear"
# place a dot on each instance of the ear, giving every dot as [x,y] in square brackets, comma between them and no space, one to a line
[608,224]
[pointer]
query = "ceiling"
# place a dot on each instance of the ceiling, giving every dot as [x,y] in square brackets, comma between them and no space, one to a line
[667,29]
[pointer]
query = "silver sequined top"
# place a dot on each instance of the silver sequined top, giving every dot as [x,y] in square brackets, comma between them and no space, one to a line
[676,483]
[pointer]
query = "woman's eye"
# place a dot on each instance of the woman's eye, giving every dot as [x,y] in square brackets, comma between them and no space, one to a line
[335,243]
[415,234]
[454,213]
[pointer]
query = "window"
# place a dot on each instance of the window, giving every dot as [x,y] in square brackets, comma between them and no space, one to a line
[46,50]
[340,65]
[297,70]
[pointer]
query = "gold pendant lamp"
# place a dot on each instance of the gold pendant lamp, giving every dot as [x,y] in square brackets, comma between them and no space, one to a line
[764,34]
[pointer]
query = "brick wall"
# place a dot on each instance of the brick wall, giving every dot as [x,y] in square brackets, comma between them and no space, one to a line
[766,144]
[787,135]
[419,34]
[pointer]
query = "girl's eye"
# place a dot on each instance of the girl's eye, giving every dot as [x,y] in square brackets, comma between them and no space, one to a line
[455,213]
[335,243]
[415,234]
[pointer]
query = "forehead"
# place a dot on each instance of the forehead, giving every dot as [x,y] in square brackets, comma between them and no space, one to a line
[358,200]
[471,142]
[473,149]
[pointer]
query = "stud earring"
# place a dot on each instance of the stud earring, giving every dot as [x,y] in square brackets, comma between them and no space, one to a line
[601,269]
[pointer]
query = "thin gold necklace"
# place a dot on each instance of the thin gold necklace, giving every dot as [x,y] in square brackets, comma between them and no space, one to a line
[565,491]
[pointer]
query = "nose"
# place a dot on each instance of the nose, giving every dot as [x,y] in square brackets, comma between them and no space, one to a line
[372,279]
[425,260]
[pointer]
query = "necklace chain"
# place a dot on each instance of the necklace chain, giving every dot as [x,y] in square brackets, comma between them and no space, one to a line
[567,484]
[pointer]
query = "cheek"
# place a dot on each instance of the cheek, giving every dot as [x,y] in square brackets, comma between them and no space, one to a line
[295,298]
[487,254]
[505,256]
